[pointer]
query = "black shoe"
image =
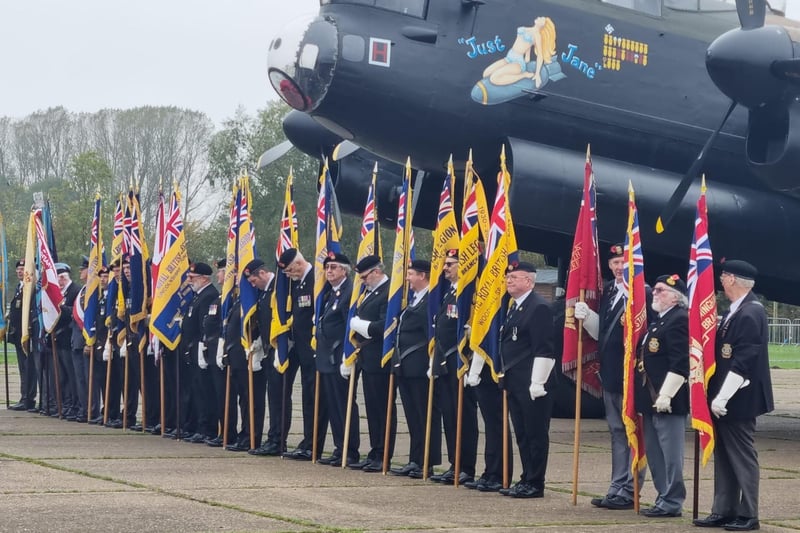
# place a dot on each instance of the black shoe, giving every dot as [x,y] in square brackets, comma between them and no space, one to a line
[373,466]
[97,420]
[135,427]
[81,420]
[215,442]
[155,430]
[599,502]
[71,418]
[298,454]
[32,410]
[445,477]
[330,459]
[404,470]
[265,449]
[523,490]
[197,438]
[114,424]
[713,520]
[474,484]
[239,447]
[489,486]
[743,524]
[169,433]
[658,512]
[419,473]
[618,502]
[149,429]
[359,465]
[464,478]
[19,406]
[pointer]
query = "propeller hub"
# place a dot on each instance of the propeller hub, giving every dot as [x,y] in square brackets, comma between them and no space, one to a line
[302,61]
[739,62]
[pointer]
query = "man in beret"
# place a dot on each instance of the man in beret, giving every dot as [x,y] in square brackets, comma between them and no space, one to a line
[445,366]
[410,364]
[80,362]
[605,326]
[27,368]
[110,351]
[369,323]
[267,381]
[527,360]
[100,366]
[301,272]
[740,390]
[200,324]
[62,333]
[661,393]
[330,332]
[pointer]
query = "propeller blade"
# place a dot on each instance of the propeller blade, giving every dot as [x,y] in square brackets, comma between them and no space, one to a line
[751,13]
[680,191]
[786,69]
[343,149]
[274,153]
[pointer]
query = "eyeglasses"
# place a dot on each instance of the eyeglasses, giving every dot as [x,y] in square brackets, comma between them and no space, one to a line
[450,264]
[659,290]
[516,278]
[332,266]
[365,275]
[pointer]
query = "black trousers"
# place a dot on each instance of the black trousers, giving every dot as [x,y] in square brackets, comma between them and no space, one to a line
[446,398]
[239,398]
[334,390]
[531,423]
[414,395]
[27,377]
[279,398]
[490,400]
[304,361]
[66,380]
[376,399]
[132,400]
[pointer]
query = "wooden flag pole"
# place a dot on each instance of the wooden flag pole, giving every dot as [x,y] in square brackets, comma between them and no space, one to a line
[428,423]
[315,431]
[5,363]
[108,384]
[125,388]
[142,356]
[459,428]
[576,444]
[226,416]
[388,431]
[91,380]
[56,374]
[506,481]
[161,392]
[696,489]
[348,419]
[250,405]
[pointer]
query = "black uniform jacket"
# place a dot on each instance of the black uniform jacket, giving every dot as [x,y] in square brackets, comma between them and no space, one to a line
[742,348]
[303,314]
[63,328]
[15,316]
[664,349]
[373,309]
[411,350]
[331,326]
[233,337]
[527,332]
[445,331]
[202,313]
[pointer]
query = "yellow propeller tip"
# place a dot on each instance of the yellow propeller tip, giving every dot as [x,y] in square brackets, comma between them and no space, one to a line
[659,226]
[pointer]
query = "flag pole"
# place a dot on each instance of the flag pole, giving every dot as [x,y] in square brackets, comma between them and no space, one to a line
[696,488]
[284,429]
[55,373]
[428,422]
[315,431]
[459,427]
[388,431]
[250,406]
[348,419]
[125,385]
[91,379]
[5,363]
[142,357]
[576,446]
[506,481]
[226,417]
[161,391]
[108,383]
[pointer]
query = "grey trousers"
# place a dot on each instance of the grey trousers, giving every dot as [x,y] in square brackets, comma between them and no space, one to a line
[735,469]
[621,477]
[664,436]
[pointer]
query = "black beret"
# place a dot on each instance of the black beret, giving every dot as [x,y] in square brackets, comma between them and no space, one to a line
[103,270]
[287,257]
[84,261]
[333,257]
[126,260]
[740,269]
[673,281]
[452,252]
[20,263]
[367,263]
[521,267]
[420,265]
[616,250]
[221,263]
[63,268]
[114,264]
[201,269]
[252,267]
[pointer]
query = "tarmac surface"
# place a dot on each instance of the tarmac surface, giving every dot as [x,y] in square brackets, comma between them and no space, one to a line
[63,476]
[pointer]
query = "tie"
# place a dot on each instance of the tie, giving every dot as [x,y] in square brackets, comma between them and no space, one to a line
[511,311]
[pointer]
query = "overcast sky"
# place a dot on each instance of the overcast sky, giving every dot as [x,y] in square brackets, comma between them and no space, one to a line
[86,55]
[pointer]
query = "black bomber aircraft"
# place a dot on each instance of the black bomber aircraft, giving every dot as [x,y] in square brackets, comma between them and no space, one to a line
[662,90]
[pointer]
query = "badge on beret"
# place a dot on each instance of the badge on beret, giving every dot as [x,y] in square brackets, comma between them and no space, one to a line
[247,271]
[653,345]
[671,280]
[726,351]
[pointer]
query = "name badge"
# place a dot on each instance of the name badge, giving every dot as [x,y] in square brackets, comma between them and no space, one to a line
[212,310]
[304,300]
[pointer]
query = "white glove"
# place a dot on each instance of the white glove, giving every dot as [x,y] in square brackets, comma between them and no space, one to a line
[361,326]
[733,382]
[201,360]
[591,320]
[220,354]
[107,351]
[123,350]
[670,387]
[542,366]
[256,363]
[345,370]
[275,363]
[475,367]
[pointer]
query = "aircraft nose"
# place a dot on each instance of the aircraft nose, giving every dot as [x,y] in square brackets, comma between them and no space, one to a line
[302,61]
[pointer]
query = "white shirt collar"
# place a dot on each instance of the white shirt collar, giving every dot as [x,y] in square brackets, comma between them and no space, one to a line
[522,298]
